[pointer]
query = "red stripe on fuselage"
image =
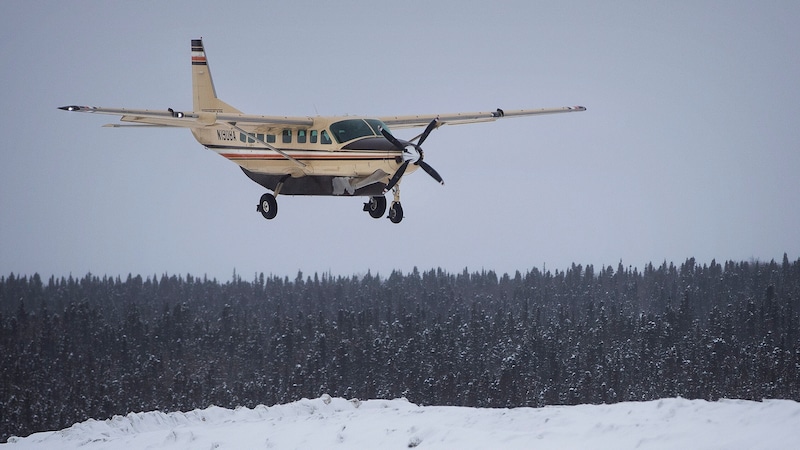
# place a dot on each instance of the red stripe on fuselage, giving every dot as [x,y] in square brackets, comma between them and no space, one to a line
[305,158]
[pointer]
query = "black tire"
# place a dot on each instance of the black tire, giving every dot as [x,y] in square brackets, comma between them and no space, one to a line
[376,207]
[268,206]
[396,213]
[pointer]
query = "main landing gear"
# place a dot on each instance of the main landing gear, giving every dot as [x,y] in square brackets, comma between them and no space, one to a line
[268,206]
[376,206]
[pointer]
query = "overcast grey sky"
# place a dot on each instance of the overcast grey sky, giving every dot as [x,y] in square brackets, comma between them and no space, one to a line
[690,146]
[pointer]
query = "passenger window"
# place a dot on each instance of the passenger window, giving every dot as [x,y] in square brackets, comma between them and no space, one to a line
[260,137]
[325,139]
[287,136]
[271,138]
[301,136]
[314,136]
[245,138]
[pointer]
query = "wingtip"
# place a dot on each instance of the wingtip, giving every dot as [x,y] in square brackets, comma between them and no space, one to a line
[72,108]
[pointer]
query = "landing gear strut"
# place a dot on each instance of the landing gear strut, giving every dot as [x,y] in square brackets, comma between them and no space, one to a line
[268,206]
[376,206]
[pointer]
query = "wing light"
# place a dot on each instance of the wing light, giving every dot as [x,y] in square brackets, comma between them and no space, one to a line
[74,108]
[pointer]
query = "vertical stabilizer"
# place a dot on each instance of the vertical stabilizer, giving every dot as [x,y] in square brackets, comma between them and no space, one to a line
[204,95]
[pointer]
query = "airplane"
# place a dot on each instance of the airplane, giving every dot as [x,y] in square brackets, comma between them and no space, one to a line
[321,155]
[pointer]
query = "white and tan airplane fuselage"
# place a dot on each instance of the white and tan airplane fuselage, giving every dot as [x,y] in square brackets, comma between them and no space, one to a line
[359,165]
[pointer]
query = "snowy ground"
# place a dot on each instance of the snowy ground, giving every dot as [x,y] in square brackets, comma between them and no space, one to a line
[327,423]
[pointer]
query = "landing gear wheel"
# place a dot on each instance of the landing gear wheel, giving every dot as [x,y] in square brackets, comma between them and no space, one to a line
[268,206]
[376,206]
[396,212]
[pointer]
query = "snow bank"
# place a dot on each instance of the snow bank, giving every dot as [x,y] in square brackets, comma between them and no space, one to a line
[338,423]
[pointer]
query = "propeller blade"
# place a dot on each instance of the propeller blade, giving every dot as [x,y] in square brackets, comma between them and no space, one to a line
[431,171]
[392,139]
[431,126]
[396,177]
[418,161]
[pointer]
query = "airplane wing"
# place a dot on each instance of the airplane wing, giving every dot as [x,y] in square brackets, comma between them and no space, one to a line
[395,122]
[172,118]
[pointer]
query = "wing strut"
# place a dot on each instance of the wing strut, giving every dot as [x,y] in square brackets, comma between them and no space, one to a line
[269,146]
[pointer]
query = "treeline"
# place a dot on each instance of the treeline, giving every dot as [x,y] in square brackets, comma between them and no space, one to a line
[95,347]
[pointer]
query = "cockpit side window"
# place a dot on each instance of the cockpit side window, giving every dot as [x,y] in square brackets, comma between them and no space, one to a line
[325,138]
[347,130]
[377,125]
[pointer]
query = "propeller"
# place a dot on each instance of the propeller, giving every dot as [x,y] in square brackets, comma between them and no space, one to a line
[414,155]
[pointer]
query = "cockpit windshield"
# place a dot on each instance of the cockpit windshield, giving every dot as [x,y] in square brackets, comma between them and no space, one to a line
[347,130]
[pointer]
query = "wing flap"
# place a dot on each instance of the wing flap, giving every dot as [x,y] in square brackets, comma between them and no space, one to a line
[172,118]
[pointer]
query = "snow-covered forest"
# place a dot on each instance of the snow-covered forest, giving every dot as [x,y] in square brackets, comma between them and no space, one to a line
[94,347]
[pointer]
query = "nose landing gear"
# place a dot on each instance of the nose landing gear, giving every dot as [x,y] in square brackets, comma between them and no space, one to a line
[396,212]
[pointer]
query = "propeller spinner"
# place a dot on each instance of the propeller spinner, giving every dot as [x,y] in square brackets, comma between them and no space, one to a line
[412,153]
